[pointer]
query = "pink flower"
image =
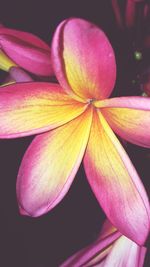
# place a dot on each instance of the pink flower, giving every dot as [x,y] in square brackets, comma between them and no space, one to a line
[26,50]
[74,120]
[110,249]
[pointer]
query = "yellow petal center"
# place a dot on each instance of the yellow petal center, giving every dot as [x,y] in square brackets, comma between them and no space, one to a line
[5,62]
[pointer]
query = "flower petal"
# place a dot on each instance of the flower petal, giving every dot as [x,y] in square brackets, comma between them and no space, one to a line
[123,253]
[5,62]
[19,75]
[116,183]
[30,108]
[25,36]
[82,58]
[50,164]
[93,253]
[129,117]
[107,229]
[26,50]
[142,255]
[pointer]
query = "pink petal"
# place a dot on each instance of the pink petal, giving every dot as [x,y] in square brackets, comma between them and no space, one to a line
[107,229]
[116,183]
[93,253]
[124,253]
[142,255]
[129,117]
[26,50]
[25,36]
[5,62]
[30,108]
[82,59]
[50,165]
[19,75]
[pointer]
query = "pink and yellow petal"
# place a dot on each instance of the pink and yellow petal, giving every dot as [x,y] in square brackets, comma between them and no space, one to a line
[5,62]
[92,254]
[123,253]
[107,229]
[129,117]
[110,249]
[50,165]
[82,58]
[109,233]
[30,108]
[115,182]
[27,51]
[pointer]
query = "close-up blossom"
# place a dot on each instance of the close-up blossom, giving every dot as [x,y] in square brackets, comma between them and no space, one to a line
[74,133]
[75,121]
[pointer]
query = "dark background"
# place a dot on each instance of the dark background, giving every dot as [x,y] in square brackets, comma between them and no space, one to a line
[48,240]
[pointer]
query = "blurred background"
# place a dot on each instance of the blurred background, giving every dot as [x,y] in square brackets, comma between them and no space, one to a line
[48,240]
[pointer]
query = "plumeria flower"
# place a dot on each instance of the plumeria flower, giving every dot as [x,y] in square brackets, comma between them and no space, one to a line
[25,50]
[110,249]
[75,121]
